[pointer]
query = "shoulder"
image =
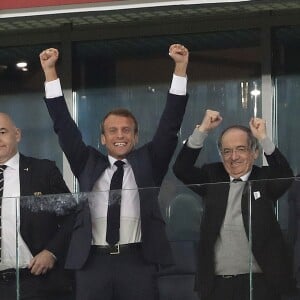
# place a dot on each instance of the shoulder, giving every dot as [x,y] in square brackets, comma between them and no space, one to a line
[33,161]
[215,171]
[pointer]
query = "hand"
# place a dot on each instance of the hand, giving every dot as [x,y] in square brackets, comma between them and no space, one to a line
[48,59]
[180,55]
[41,263]
[211,120]
[258,128]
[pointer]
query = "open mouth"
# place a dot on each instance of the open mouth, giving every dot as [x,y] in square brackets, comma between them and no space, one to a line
[120,144]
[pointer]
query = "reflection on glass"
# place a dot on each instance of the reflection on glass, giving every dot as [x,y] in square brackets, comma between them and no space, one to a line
[190,227]
[255,93]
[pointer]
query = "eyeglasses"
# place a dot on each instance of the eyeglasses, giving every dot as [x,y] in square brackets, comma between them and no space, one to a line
[241,150]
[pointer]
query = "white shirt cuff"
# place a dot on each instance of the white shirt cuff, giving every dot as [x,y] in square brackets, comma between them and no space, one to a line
[178,85]
[53,89]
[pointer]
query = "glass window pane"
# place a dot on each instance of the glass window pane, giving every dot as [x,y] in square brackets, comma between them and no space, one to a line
[21,96]
[136,73]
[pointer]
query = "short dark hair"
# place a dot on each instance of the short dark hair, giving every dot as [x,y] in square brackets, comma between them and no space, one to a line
[123,112]
[252,140]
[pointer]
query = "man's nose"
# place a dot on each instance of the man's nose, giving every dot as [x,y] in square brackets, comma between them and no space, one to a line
[235,154]
[120,133]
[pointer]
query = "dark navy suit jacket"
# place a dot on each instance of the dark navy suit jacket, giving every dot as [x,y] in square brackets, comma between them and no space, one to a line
[42,228]
[149,164]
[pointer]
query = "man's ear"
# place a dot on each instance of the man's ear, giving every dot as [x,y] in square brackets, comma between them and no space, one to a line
[136,139]
[103,140]
[18,134]
[256,153]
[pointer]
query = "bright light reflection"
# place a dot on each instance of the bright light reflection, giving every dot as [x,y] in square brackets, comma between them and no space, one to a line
[21,64]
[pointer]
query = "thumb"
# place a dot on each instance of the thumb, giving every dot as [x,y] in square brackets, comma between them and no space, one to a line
[31,263]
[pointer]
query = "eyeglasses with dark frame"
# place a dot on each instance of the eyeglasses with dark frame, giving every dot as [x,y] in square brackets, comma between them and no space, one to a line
[240,150]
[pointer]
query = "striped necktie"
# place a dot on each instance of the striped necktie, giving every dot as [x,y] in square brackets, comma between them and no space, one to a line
[2,168]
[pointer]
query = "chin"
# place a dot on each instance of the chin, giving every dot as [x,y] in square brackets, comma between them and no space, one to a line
[121,155]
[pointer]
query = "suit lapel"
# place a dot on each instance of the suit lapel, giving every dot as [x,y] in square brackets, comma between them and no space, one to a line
[138,176]
[100,167]
[25,176]
[248,192]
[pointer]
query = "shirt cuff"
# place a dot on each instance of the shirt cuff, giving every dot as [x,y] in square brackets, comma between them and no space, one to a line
[53,89]
[196,140]
[267,145]
[178,85]
[53,255]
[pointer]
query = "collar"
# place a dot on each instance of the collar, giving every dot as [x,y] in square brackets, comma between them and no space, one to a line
[13,162]
[244,177]
[112,160]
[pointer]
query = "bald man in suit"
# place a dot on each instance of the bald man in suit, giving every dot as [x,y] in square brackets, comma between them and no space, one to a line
[42,241]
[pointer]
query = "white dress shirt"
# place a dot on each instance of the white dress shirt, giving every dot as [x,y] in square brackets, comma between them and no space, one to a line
[10,218]
[130,223]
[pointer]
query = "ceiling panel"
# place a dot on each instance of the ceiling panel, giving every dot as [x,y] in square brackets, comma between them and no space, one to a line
[201,11]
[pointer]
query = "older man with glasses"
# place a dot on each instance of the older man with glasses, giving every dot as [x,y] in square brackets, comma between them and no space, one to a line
[224,251]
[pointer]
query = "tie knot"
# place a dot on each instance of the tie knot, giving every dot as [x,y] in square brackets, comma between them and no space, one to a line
[237,180]
[2,168]
[119,163]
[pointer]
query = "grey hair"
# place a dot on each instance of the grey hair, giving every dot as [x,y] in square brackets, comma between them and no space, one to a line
[252,140]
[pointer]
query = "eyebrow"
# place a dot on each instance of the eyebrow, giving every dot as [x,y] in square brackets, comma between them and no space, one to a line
[122,127]
[236,147]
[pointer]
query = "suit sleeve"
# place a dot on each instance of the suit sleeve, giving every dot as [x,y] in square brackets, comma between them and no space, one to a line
[165,139]
[279,166]
[66,207]
[70,138]
[279,170]
[184,167]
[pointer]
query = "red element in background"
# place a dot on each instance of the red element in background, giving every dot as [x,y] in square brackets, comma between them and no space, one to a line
[18,4]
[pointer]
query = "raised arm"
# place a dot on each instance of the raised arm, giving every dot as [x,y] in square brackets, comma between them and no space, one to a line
[48,59]
[70,138]
[165,138]
[184,167]
[180,55]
